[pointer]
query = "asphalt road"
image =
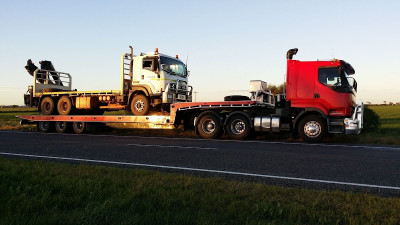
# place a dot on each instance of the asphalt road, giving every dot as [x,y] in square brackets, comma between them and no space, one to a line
[373,169]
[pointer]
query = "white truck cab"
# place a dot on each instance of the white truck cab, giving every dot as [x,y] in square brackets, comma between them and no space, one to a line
[157,80]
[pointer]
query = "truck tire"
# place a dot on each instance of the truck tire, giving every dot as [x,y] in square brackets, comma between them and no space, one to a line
[64,105]
[139,105]
[44,126]
[62,126]
[79,127]
[236,98]
[238,127]
[209,126]
[47,106]
[312,129]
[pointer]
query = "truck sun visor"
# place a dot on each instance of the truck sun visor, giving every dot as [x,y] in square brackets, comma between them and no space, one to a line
[347,67]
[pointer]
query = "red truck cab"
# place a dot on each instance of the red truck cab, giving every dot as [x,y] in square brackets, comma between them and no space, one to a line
[324,89]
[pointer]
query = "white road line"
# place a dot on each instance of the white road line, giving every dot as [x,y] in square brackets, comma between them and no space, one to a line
[203,170]
[221,140]
[173,146]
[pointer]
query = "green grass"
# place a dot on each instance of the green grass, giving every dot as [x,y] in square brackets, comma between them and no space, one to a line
[389,117]
[8,121]
[37,192]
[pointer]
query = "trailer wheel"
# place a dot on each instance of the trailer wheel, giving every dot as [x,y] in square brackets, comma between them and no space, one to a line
[312,129]
[140,105]
[44,126]
[238,127]
[79,127]
[64,105]
[209,126]
[47,106]
[62,126]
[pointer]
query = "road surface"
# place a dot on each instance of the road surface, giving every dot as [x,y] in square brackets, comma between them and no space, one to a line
[365,168]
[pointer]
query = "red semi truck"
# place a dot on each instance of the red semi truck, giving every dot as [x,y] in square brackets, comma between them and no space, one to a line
[320,98]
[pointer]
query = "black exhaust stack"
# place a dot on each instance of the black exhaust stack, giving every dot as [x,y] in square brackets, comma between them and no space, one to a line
[291,53]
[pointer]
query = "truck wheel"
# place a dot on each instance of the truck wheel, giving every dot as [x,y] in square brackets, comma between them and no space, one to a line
[209,126]
[47,106]
[238,127]
[140,105]
[61,126]
[44,126]
[79,127]
[64,105]
[236,98]
[312,129]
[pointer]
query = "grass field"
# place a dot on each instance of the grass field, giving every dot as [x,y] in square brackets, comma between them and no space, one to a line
[389,117]
[37,192]
[8,121]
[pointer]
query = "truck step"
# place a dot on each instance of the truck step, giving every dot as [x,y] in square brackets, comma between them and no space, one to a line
[335,126]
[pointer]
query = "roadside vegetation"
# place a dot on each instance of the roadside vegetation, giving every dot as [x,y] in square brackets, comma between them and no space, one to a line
[382,126]
[38,192]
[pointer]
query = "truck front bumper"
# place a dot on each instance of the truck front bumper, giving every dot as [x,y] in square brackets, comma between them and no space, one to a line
[355,124]
[172,95]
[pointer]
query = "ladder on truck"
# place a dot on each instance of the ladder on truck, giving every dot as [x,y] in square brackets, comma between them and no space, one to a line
[126,73]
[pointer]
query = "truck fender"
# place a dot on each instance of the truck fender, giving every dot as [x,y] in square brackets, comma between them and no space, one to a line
[306,112]
[135,89]
[203,114]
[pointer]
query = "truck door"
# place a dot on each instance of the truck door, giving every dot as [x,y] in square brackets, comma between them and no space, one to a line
[150,74]
[329,94]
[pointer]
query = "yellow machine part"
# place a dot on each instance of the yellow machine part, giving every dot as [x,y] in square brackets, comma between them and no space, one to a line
[87,102]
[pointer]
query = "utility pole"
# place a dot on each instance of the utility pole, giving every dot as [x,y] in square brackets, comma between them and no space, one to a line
[195,96]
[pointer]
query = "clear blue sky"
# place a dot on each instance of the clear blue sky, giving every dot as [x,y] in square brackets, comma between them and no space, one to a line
[228,42]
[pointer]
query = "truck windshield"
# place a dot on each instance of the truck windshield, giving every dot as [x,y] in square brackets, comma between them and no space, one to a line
[351,82]
[337,79]
[173,66]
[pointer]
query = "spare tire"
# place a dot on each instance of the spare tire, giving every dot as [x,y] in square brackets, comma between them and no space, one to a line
[236,98]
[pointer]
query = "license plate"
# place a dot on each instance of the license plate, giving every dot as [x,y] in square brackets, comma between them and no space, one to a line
[181,97]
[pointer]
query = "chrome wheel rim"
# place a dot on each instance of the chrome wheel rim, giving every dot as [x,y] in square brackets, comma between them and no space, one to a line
[79,125]
[44,125]
[139,105]
[60,125]
[208,126]
[238,126]
[312,129]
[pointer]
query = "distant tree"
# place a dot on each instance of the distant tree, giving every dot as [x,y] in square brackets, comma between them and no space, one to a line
[371,120]
[384,102]
[369,103]
[391,103]
[277,89]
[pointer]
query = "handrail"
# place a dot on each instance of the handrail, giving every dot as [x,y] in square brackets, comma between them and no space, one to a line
[51,79]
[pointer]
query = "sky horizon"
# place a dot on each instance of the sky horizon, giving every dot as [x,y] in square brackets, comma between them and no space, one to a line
[227,43]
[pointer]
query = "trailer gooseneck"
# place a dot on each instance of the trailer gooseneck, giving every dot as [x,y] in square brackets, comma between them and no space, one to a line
[319,99]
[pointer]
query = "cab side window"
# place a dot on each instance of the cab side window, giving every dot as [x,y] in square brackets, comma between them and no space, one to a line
[329,76]
[148,64]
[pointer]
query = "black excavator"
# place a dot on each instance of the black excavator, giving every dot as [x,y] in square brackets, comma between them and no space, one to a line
[41,77]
